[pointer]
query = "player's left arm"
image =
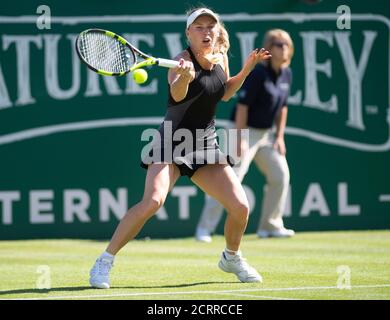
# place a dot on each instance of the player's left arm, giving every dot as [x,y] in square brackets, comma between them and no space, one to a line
[233,84]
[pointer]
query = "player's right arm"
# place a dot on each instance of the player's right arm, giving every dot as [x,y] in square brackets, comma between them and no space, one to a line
[179,78]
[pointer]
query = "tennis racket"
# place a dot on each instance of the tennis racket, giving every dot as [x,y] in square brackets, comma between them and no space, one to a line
[111,55]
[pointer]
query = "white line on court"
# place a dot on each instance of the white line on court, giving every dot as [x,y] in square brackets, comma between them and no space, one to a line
[256,296]
[139,294]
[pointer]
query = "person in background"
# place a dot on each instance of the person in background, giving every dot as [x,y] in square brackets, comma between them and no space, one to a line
[262,105]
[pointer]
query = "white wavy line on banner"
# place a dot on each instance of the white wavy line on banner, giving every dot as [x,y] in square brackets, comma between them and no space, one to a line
[338,142]
[123,122]
[331,140]
[76,126]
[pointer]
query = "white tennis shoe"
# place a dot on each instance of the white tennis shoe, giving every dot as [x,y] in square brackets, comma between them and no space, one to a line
[280,233]
[239,266]
[203,235]
[100,273]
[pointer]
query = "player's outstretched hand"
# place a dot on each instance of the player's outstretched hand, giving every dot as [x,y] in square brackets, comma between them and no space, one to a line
[254,58]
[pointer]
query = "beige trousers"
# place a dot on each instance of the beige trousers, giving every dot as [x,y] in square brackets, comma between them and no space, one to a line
[273,166]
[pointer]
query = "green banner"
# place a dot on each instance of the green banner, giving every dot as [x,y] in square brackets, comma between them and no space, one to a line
[70,140]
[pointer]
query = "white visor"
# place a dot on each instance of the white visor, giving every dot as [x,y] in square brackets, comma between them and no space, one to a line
[201,12]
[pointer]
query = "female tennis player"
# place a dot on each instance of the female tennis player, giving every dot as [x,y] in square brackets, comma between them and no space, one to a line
[262,105]
[195,87]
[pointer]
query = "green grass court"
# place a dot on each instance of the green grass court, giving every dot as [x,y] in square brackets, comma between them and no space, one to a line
[304,267]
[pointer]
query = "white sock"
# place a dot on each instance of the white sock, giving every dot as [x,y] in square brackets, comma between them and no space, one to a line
[107,256]
[230,254]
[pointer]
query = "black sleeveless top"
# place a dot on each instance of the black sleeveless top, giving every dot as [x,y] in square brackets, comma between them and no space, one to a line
[197,109]
[196,115]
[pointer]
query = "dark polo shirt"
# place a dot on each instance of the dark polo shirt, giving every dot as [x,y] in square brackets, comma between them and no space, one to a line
[265,93]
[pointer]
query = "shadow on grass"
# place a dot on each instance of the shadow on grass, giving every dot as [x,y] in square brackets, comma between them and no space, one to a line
[70,289]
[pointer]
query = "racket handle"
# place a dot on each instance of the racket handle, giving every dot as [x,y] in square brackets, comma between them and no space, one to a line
[167,63]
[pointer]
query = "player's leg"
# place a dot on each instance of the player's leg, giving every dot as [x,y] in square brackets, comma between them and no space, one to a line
[160,179]
[209,219]
[220,182]
[212,210]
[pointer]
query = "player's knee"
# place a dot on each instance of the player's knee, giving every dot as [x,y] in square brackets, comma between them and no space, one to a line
[240,210]
[152,205]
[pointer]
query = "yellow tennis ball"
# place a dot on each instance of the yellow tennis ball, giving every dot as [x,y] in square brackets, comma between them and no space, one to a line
[140,76]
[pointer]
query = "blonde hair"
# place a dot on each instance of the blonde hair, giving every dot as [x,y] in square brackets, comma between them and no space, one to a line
[274,34]
[222,44]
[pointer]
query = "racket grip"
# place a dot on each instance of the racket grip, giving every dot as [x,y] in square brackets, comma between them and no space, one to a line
[167,63]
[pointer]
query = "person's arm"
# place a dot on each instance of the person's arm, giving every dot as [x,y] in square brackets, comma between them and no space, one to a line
[241,121]
[179,78]
[234,83]
[280,122]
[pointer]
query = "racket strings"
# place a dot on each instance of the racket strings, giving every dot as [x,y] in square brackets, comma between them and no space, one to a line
[106,53]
